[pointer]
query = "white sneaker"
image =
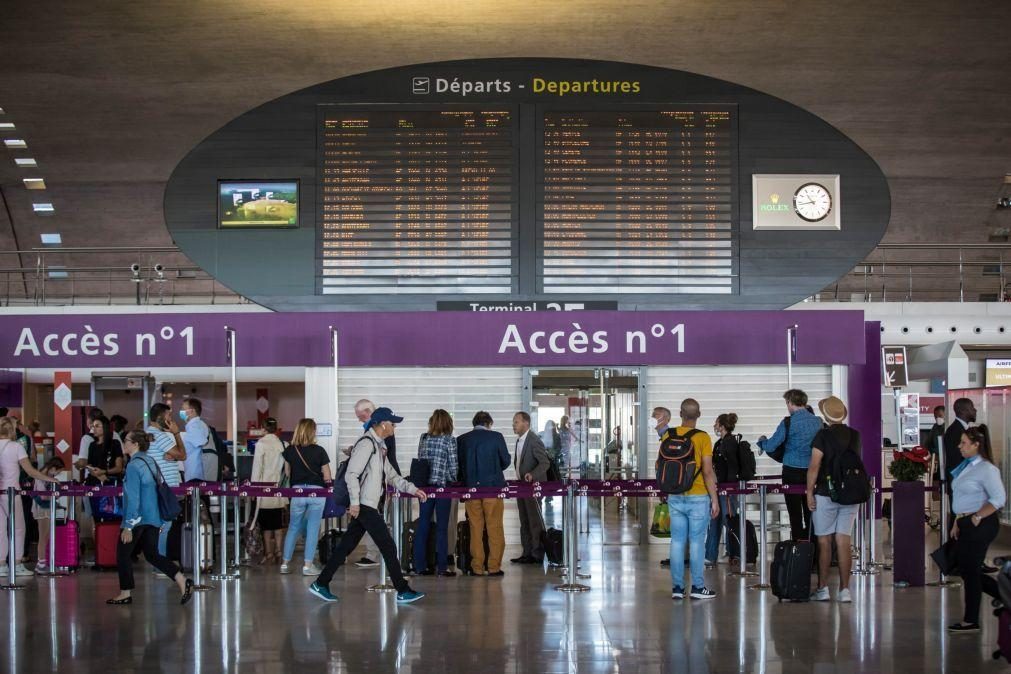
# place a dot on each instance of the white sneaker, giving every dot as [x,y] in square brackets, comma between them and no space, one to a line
[41,569]
[311,570]
[821,594]
[22,570]
[844,597]
[285,568]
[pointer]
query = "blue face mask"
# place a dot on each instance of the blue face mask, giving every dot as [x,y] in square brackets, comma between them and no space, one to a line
[182,414]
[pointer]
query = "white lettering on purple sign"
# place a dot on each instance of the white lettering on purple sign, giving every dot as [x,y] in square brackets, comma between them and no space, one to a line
[89,343]
[579,341]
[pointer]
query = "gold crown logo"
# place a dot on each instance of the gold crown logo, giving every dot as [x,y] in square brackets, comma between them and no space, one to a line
[774,198]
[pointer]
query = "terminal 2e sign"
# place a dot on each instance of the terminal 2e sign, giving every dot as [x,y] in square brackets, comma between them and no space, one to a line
[450,338]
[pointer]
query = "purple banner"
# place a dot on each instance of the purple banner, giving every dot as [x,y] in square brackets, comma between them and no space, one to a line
[434,339]
[11,385]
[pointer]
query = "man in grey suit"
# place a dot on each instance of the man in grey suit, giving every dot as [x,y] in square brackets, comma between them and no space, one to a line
[531,462]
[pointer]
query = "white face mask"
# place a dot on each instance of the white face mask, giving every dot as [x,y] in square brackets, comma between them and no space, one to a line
[652,423]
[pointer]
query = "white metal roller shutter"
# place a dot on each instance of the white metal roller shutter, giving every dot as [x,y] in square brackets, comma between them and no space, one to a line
[414,393]
[754,393]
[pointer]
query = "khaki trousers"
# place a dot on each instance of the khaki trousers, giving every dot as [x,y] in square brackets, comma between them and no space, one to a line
[487,514]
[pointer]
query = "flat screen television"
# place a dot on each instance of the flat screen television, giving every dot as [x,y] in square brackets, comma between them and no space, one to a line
[257,204]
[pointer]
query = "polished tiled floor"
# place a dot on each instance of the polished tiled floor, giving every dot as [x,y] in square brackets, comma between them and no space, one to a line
[627,623]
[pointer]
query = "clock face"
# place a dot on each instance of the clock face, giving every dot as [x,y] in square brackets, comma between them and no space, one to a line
[812,202]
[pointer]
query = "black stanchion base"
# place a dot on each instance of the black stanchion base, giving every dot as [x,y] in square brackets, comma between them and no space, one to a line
[13,587]
[384,587]
[760,586]
[224,576]
[572,587]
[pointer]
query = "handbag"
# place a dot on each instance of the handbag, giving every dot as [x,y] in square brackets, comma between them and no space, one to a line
[661,521]
[254,537]
[777,453]
[946,558]
[168,505]
[420,474]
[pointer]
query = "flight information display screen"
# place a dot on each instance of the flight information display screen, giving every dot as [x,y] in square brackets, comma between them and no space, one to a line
[415,201]
[638,201]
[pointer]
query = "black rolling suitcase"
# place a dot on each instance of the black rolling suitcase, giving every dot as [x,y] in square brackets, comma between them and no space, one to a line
[463,556]
[791,570]
[407,549]
[734,545]
[328,543]
[553,541]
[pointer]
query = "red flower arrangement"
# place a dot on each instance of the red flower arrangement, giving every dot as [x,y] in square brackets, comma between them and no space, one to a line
[909,465]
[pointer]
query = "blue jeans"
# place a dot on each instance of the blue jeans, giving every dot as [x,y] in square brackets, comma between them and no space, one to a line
[716,526]
[689,521]
[306,514]
[440,506]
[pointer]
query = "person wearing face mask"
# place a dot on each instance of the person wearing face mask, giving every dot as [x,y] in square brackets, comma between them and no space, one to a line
[195,437]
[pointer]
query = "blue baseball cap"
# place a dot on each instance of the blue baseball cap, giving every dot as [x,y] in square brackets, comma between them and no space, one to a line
[382,414]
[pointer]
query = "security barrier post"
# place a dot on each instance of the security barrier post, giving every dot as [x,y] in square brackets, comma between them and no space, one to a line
[742,534]
[223,572]
[11,555]
[572,543]
[763,532]
[384,585]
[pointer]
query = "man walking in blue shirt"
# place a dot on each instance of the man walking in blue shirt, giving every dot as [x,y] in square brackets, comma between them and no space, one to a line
[797,431]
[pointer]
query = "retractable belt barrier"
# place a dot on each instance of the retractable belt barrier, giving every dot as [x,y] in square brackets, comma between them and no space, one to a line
[514,489]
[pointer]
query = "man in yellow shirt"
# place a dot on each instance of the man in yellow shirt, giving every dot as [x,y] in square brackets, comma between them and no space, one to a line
[690,511]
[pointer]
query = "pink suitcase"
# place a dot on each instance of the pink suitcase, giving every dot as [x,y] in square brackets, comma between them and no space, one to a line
[68,546]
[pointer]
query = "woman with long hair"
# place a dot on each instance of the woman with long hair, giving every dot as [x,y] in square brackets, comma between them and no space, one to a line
[142,521]
[725,465]
[307,465]
[438,447]
[977,496]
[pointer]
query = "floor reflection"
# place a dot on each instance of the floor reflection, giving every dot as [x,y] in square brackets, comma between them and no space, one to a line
[627,623]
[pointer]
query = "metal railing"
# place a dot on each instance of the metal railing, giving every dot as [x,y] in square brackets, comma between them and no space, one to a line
[927,272]
[152,275]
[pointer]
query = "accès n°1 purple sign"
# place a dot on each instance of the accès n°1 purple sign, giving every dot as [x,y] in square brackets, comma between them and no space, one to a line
[433,339]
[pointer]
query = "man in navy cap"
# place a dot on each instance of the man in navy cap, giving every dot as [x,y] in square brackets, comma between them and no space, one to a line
[367,473]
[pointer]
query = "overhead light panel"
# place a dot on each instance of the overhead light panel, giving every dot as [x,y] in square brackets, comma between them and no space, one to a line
[57,271]
[15,143]
[43,208]
[26,162]
[6,126]
[51,239]
[34,183]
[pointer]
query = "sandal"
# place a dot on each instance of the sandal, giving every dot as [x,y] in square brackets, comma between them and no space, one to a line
[120,602]
[188,594]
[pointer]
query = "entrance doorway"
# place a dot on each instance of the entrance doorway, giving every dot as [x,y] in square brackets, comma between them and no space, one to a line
[590,419]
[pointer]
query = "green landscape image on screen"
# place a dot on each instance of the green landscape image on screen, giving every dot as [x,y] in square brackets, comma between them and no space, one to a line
[258,204]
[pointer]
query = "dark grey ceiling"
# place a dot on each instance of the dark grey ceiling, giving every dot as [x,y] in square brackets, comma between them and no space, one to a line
[111,95]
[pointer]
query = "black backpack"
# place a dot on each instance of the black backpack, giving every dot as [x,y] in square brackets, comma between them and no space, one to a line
[676,466]
[848,483]
[747,467]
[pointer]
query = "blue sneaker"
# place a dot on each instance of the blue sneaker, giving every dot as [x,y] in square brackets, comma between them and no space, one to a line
[322,591]
[409,597]
[677,593]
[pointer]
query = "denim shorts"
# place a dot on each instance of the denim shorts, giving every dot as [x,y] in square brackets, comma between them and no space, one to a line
[830,517]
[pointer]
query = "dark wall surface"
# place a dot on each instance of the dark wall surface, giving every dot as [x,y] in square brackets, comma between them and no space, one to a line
[278,141]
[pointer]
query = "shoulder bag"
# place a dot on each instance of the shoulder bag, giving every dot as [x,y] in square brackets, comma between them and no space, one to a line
[168,504]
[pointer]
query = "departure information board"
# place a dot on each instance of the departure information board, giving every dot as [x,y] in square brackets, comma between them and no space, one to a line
[638,201]
[415,201]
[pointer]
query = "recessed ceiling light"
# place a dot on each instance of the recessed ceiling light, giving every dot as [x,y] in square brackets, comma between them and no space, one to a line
[57,271]
[43,208]
[34,183]
[7,126]
[51,239]
[12,143]
[26,162]
[1,111]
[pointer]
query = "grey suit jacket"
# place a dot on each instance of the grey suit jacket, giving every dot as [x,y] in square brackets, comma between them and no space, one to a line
[533,459]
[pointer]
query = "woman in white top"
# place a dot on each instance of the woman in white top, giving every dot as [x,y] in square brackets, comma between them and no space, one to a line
[267,466]
[977,496]
[14,459]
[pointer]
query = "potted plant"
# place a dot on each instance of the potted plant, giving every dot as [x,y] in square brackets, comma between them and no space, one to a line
[908,536]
